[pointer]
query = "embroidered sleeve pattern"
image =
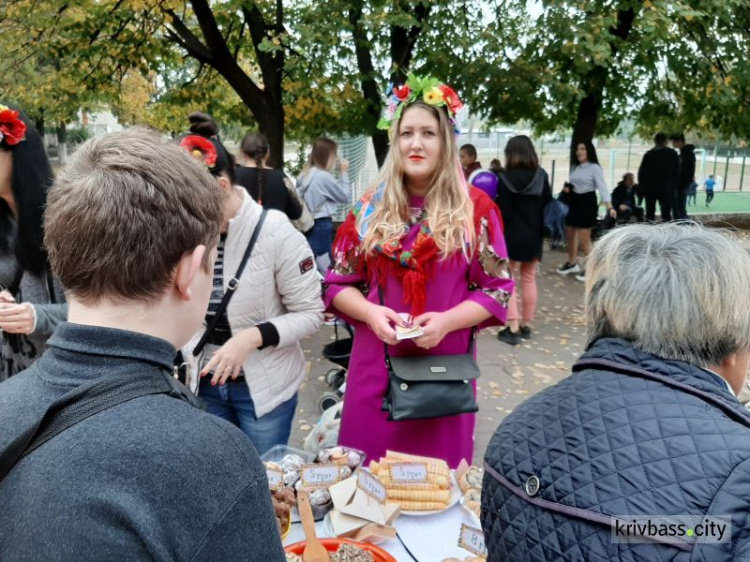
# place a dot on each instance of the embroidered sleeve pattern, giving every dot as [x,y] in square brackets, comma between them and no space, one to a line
[492,264]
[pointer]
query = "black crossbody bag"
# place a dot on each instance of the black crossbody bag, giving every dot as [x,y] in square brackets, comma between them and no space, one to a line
[432,386]
[182,367]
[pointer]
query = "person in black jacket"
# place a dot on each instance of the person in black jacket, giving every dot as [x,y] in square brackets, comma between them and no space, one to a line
[624,202]
[687,174]
[264,184]
[522,194]
[658,177]
[154,477]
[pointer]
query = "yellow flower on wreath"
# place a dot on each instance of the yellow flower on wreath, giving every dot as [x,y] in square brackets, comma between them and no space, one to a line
[433,97]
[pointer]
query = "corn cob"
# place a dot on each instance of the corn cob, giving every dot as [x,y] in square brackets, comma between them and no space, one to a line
[422,506]
[442,496]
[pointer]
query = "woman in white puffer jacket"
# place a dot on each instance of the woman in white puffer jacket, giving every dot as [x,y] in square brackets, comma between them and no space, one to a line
[253,364]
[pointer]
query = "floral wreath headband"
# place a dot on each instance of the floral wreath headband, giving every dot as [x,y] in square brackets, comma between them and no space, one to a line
[12,128]
[429,90]
[201,149]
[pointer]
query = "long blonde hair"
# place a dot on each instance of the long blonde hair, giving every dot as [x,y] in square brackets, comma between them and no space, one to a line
[450,211]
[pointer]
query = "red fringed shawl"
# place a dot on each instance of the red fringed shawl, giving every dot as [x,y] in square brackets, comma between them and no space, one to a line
[413,268]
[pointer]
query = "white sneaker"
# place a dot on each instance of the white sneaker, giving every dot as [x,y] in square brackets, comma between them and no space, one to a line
[568,268]
[581,276]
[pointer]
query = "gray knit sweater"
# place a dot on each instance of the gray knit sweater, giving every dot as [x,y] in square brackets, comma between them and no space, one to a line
[19,351]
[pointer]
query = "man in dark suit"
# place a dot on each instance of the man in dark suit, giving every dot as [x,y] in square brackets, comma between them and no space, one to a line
[658,177]
[687,173]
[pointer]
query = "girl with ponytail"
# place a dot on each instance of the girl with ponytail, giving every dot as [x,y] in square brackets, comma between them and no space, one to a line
[267,186]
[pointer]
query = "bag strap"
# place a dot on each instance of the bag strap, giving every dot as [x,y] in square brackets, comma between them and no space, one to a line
[231,286]
[80,404]
[472,337]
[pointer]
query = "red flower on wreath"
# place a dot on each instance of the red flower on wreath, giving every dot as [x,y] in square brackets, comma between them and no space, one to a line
[200,148]
[12,129]
[402,92]
[451,98]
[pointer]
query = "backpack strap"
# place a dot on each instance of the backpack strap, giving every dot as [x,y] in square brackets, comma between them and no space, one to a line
[83,402]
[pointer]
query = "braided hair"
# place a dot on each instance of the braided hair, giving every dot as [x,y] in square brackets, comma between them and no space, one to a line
[255,146]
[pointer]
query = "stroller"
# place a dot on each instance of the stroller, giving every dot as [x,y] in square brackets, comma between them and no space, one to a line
[338,352]
[554,222]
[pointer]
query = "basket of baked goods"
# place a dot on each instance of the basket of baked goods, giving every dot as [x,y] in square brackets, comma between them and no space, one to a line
[342,550]
[421,485]
[316,473]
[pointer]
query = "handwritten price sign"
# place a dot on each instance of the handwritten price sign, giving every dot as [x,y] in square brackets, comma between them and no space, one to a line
[472,539]
[409,472]
[315,475]
[275,478]
[371,485]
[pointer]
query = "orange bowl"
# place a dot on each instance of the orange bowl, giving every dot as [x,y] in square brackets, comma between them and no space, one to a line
[332,545]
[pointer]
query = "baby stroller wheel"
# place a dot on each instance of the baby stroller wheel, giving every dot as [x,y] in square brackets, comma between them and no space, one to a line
[335,378]
[327,400]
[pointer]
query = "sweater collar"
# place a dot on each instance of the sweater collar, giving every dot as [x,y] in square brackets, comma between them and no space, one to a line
[97,346]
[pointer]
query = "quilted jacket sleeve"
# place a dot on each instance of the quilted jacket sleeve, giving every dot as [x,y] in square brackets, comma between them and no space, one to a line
[298,285]
[732,500]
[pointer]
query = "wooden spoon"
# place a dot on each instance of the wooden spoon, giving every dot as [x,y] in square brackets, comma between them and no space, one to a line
[314,551]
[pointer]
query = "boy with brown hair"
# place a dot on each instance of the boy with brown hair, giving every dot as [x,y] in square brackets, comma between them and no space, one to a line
[131,227]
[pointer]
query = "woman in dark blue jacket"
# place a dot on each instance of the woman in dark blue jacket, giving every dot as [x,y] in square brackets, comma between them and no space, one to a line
[648,424]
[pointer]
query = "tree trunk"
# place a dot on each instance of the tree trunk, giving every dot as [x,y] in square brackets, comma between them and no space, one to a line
[585,126]
[62,144]
[402,48]
[584,129]
[40,128]
[266,108]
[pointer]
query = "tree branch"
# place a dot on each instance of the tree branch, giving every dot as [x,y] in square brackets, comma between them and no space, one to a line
[181,34]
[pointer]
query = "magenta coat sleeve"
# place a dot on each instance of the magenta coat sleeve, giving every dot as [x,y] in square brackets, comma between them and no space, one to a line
[490,282]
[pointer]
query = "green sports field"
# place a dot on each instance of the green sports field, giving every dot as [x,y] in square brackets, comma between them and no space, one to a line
[724,202]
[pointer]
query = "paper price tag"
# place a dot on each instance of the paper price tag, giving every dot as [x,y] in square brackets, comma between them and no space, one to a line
[275,478]
[472,539]
[371,485]
[314,475]
[409,472]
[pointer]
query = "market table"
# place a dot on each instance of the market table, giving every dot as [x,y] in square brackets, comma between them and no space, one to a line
[429,538]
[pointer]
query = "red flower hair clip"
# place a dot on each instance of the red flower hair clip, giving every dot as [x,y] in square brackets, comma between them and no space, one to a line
[12,129]
[200,148]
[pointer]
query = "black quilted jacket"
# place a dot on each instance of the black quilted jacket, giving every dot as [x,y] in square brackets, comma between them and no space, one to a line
[627,434]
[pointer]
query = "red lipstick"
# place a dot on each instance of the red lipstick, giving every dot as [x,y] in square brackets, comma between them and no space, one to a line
[416,157]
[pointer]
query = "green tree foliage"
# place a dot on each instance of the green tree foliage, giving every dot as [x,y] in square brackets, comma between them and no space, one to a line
[588,64]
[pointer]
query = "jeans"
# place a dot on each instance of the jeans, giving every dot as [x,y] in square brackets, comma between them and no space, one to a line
[320,236]
[232,402]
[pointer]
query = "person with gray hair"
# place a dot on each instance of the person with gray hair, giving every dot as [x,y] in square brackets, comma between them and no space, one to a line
[643,452]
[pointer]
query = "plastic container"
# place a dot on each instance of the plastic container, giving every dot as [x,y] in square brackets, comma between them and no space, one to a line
[278,452]
[332,545]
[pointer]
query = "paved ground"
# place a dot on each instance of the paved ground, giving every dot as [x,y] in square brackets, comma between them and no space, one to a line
[509,374]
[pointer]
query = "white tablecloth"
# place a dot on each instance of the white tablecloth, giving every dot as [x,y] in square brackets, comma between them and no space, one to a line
[430,538]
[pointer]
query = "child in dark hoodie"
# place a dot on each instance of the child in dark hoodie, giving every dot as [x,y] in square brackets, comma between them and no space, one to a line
[523,193]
